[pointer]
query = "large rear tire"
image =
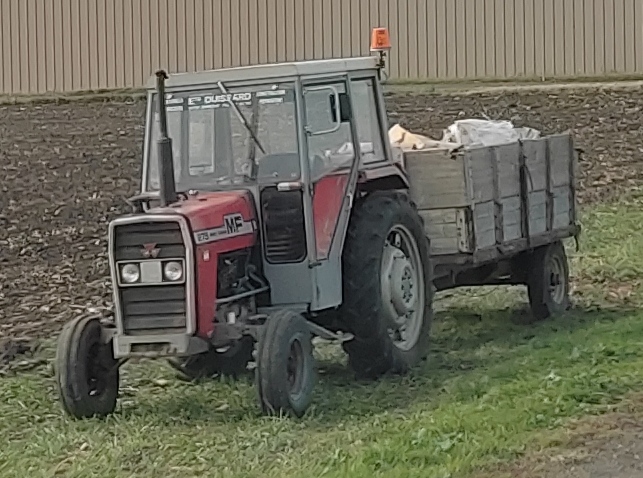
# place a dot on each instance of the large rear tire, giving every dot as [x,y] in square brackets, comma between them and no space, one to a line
[387,286]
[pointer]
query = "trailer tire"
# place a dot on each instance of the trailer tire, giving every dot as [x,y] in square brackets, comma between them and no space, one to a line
[87,374]
[371,300]
[285,374]
[548,281]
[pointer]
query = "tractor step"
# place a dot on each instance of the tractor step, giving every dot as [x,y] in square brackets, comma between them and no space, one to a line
[326,334]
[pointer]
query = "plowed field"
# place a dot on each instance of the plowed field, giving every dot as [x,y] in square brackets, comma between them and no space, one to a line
[66,170]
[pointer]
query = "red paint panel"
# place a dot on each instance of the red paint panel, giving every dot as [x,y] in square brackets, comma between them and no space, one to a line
[327,203]
[204,212]
[206,289]
[207,256]
[207,209]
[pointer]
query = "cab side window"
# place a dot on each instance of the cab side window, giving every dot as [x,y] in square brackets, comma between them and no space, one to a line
[332,150]
[367,120]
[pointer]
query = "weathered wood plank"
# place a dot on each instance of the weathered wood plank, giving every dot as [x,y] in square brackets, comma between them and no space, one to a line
[439,216]
[561,208]
[559,151]
[441,230]
[537,212]
[440,225]
[508,169]
[535,151]
[436,179]
[480,161]
[512,218]
[484,225]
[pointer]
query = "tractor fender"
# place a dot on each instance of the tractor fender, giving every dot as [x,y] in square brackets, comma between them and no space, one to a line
[387,177]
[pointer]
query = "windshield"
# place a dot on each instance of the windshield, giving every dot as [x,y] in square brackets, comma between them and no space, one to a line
[211,144]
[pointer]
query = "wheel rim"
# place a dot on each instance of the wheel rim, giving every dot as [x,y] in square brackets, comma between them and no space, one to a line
[402,287]
[556,280]
[295,368]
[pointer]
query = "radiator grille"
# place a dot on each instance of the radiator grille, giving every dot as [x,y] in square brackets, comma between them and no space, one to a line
[129,240]
[151,307]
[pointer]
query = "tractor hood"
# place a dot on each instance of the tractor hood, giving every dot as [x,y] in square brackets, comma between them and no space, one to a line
[216,216]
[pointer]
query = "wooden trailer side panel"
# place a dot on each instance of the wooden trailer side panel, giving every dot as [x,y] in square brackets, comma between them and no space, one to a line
[497,198]
[494,193]
[535,154]
[437,179]
[438,188]
[447,230]
[550,164]
[441,185]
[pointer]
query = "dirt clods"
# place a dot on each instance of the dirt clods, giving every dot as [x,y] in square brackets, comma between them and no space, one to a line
[66,169]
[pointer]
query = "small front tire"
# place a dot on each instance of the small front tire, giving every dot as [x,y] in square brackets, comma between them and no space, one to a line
[285,373]
[87,374]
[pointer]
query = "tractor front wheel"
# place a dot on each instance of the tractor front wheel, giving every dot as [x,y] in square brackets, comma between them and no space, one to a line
[285,371]
[87,374]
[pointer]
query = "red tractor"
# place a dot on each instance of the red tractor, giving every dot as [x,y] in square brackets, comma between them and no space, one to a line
[273,210]
[257,225]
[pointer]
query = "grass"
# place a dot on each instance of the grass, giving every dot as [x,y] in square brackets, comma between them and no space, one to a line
[492,388]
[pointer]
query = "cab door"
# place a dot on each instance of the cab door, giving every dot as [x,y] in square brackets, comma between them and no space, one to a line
[331,171]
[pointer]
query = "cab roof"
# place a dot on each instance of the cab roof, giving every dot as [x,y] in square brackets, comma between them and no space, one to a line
[266,72]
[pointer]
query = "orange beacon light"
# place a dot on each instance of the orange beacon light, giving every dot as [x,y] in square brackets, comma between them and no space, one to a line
[380,39]
[380,43]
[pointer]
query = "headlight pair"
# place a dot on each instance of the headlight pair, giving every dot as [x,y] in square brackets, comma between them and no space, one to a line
[131,273]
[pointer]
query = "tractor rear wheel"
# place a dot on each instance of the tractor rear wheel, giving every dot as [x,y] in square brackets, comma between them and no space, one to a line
[230,363]
[87,374]
[388,286]
[548,281]
[285,373]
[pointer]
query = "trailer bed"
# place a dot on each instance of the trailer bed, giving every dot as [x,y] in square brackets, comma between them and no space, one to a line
[484,203]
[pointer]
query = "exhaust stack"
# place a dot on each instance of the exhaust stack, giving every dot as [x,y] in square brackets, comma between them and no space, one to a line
[167,185]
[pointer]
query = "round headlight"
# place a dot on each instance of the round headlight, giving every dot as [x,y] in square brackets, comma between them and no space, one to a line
[173,271]
[130,273]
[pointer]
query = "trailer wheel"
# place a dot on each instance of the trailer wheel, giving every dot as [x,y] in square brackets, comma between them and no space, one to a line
[87,374]
[388,286]
[548,281]
[230,363]
[285,373]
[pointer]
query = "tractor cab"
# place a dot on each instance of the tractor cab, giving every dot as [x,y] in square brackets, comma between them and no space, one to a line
[290,134]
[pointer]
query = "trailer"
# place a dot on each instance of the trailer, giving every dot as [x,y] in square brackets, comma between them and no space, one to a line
[494,214]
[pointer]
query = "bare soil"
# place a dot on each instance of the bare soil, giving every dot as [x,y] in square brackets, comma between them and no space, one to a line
[66,169]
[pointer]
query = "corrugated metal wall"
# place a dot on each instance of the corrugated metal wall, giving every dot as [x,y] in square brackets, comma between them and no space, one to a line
[64,45]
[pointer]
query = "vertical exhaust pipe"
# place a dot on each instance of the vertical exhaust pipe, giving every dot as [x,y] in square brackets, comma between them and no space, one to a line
[167,189]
